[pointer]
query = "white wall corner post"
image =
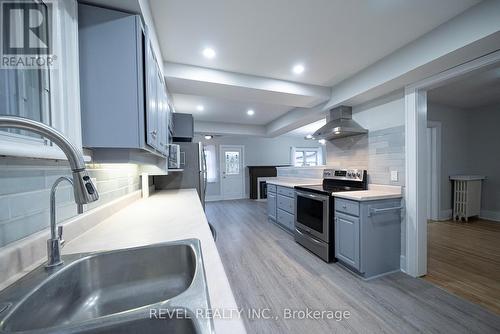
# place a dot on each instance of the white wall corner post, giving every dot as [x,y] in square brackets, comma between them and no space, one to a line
[416,185]
[145,185]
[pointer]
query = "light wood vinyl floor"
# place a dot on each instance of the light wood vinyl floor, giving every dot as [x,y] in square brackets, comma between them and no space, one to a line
[268,270]
[464,258]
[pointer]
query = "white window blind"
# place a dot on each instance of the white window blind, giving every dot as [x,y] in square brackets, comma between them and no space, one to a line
[306,156]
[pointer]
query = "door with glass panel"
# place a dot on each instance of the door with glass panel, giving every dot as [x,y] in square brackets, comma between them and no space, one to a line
[232,171]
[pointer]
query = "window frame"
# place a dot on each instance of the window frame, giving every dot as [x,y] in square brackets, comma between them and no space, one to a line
[61,98]
[319,155]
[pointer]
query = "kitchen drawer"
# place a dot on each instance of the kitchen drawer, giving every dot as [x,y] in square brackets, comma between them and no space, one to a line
[290,192]
[286,219]
[271,188]
[346,206]
[286,203]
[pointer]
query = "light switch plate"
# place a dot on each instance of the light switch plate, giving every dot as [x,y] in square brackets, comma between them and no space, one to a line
[394,175]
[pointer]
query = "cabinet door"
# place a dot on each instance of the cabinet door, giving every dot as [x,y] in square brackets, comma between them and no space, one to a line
[152,106]
[271,206]
[162,115]
[347,239]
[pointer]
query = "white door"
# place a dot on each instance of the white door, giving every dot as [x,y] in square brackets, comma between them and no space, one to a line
[231,171]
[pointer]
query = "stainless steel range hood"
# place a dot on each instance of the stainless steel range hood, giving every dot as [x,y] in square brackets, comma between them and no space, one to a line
[340,125]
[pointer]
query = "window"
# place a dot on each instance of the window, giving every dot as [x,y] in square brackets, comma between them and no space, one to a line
[211,161]
[232,162]
[307,156]
[47,95]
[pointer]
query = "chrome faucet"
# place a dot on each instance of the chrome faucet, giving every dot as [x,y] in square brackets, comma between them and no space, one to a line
[83,189]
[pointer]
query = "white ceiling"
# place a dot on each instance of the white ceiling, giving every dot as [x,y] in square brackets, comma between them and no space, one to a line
[479,89]
[308,129]
[227,111]
[332,38]
[263,39]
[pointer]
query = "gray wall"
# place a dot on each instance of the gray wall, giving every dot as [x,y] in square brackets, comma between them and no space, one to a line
[259,151]
[469,145]
[25,186]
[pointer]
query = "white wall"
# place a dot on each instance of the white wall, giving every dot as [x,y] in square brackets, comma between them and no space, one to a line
[259,151]
[469,145]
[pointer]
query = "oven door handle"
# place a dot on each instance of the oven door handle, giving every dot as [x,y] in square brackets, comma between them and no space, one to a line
[317,197]
[310,237]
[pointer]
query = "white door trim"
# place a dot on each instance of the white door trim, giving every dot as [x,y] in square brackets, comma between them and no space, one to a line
[221,157]
[416,164]
[435,190]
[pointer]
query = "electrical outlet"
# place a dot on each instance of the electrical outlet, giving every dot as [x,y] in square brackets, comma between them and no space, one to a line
[394,175]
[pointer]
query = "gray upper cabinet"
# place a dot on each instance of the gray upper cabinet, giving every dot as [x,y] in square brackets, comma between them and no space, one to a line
[124,102]
[183,127]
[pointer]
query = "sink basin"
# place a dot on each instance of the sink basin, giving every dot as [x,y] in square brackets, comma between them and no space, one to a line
[109,292]
[177,326]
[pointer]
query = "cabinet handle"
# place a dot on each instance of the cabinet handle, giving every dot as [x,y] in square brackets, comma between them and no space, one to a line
[374,211]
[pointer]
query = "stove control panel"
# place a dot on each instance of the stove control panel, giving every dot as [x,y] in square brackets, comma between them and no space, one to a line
[344,174]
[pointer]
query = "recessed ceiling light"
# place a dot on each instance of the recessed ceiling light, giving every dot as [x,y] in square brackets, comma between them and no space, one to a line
[298,69]
[322,141]
[200,107]
[208,137]
[250,112]
[309,136]
[209,53]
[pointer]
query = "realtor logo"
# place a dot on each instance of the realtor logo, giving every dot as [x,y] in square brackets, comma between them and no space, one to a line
[26,34]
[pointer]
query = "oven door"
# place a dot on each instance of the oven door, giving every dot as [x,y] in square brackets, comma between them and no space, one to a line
[312,214]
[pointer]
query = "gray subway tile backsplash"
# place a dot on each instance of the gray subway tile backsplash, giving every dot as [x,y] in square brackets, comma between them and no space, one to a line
[379,152]
[25,189]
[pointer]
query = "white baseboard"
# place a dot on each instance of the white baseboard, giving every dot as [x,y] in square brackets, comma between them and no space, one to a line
[445,215]
[490,215]
[213,198]
[402,263]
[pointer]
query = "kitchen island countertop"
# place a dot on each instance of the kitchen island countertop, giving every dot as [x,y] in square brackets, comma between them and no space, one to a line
[166,216]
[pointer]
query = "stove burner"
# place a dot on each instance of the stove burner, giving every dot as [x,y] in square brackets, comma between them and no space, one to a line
[337,181]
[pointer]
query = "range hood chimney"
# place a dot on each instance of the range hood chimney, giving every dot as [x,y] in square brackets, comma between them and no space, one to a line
[340,125]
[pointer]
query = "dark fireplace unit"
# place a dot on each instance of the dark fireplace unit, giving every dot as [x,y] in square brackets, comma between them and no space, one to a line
[255,172]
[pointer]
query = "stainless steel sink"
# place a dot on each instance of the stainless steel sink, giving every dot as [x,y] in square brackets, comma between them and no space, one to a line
[147,326]
[113,292]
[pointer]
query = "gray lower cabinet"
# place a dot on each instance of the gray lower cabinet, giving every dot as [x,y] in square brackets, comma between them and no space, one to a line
[347,239]
[281,206]
[368,235]
[271,205]
[285,216]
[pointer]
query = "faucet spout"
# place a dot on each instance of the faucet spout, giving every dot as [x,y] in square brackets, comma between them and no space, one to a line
[83,189]
[85,192]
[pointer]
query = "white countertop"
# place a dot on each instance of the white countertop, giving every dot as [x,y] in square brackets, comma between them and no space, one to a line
[374,192]
[290,182]
[165,216]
